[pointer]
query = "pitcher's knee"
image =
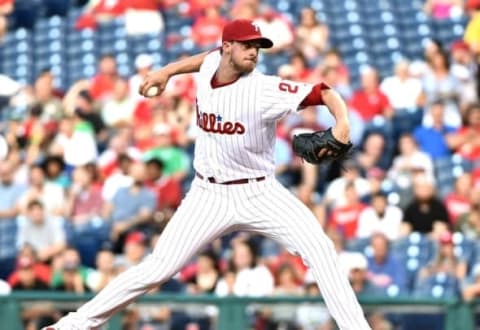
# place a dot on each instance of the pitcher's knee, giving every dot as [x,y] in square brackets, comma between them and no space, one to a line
[154,270]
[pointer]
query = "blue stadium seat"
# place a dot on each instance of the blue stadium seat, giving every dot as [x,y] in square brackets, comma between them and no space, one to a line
[413,251]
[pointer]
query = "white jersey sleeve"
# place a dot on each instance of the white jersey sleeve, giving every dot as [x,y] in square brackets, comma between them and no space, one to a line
[280,97]
[210,63]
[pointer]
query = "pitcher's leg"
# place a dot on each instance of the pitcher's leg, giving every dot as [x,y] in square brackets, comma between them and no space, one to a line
[281,216]
[202,217]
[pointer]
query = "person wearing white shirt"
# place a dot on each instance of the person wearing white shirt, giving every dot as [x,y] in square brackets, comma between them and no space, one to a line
[380,217]
[402,90]
[335,193]
[252,279]
[119,110]
[410,163]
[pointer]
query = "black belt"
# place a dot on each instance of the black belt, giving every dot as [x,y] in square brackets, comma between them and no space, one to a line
[239,181]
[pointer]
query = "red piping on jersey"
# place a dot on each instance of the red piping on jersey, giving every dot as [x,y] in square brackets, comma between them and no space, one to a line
[315,95]
[215,84]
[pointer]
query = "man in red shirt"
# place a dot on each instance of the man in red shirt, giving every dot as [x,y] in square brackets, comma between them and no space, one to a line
[102,84]
[466,141]
[458,201]
[345,218]
[6,8]
[369,101]
[208,27]
[167,190]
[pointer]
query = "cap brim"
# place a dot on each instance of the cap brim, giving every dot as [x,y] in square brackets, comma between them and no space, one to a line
[264,42]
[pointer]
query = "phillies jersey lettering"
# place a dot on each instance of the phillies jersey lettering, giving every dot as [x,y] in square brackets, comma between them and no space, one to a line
[212,123]
[243,116]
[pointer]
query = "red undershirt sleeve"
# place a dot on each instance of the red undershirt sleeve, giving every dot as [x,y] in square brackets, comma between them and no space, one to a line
[315,96]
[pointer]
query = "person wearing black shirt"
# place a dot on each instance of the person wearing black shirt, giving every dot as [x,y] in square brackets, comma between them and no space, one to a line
[85,109]
[425,212]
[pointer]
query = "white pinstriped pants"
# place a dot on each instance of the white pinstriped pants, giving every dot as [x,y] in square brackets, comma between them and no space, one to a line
[211,210]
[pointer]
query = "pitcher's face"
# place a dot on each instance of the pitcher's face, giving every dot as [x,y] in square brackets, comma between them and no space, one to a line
[243,55]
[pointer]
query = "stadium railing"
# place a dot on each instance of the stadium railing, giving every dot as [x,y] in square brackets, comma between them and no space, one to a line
[232,310]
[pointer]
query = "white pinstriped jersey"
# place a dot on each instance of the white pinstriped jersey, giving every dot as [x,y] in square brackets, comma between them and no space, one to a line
[237,121]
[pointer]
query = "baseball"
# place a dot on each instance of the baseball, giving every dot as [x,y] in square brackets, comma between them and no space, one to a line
[152,91]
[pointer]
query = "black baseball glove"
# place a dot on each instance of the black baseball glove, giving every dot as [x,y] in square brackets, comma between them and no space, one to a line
[309,145]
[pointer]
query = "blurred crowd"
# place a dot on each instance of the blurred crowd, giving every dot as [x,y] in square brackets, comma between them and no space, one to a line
[91,175]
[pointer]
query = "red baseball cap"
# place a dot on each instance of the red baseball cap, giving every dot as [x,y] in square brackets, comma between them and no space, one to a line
[244,30]
[460,45]
[136,237]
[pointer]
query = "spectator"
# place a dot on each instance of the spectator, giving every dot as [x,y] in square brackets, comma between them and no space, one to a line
[463,68]
[84,202]
[311,36]
[356,266]
[36,314]
[466,141]
[120,177]
[425,213]
[168,191]
[312,316]
[443,9]
[104,271]
[10,193]
[439,84]
[134,250]
[300,67]
[458,201]
[410,163]
[54,168]
[42,231]
[70,275]
[251,279]
[433,139]
[332,77]
[277,28]
[472,288]
[131,208]
[175,160]
[335,193]
[102,84]
[119,110]
[384,270]
[445,261]
[374,153]
[369,101]
[143,17]
[86,110]
[143,65]
[46,96]
[380,218]
[119,145]
[41,270]
[49,194]
[97,11]
[469,223]
[207,274]
[286,285]
[402,90]
[75,141]
[27,277]
[6,8]
[333,59]
[226,284]
[208,27]
[345,218]
[471,32]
